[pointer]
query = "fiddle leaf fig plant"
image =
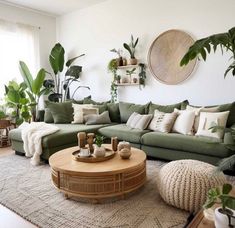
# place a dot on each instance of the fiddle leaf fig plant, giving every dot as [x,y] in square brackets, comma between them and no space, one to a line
[203,47]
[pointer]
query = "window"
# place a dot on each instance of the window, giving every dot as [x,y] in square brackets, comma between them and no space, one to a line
[17,42]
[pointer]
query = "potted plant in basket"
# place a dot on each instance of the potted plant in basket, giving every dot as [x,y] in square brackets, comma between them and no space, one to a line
[99,150]
[130,72]
[224,213]
[131,49]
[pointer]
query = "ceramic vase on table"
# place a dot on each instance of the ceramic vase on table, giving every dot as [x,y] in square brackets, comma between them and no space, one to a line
[222,220]
[99,151]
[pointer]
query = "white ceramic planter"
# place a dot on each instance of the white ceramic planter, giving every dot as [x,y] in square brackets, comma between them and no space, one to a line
[221,220]
[99,151]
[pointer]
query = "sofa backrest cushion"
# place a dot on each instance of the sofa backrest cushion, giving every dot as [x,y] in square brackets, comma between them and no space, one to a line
[114,112]
[166,108]
[126,109]
[88,100]
[48,118]
[62,112]
[222,108]
[102,108]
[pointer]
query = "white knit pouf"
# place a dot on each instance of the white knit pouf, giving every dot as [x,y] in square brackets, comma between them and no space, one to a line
[185,183]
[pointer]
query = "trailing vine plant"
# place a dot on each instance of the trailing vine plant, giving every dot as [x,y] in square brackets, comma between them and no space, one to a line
[142,74]
[112,68]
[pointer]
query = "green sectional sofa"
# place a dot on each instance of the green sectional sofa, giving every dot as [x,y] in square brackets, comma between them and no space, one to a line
[171,146]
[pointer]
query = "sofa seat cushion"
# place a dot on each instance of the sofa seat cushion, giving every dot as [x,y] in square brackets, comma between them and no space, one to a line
[194,144]
[66,135]
[123,132]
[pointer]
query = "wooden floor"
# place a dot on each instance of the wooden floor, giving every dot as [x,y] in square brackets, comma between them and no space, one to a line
[9,219]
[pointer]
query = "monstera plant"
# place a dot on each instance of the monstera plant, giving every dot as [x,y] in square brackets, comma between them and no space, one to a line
[202,47]
[58,83]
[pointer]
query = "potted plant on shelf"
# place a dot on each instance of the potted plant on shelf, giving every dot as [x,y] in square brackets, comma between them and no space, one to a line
[99,150]
[131,49]
[224,213]
[118,79]
[119,60]
[130,72]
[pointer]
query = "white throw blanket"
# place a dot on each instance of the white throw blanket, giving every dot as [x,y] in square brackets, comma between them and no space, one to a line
[32,137]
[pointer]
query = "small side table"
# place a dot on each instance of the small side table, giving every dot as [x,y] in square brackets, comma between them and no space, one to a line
[5,126]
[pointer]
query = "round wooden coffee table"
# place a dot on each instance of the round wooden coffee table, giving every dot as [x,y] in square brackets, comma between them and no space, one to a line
[101,180]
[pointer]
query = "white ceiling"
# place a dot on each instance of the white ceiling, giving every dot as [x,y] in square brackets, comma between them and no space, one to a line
[53,7]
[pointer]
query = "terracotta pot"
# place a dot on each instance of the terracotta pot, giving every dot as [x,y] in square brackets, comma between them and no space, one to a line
[99,151]
[132,61]
[222,220]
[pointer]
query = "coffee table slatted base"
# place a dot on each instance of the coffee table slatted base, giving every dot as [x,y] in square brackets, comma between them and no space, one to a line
[101,186]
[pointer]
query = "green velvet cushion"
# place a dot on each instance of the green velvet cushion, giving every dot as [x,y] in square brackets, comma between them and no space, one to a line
[61,112]
[40,115]
[126,109]
[194,144]
[114,112]
[48,118]
[102,118]
[123,132]
[166,108]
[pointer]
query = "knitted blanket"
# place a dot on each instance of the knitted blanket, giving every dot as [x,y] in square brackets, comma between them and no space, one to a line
[32,135]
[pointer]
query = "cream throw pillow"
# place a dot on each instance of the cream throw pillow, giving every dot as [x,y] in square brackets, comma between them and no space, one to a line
[81,110]
[139,121]
[210,119]
[162,122]
[197,114]
[184,122]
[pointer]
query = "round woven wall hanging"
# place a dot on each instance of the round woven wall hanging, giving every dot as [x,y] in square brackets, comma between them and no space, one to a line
[165,55]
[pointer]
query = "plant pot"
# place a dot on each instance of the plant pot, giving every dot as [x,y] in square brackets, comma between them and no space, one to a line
[222,219]
[125,153]
[99,151]
[132,62]
[135,80]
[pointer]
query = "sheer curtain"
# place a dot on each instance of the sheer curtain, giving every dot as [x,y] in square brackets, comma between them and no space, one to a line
[17,42]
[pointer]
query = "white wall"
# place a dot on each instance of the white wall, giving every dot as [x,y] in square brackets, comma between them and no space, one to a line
[47,24]
[97,29]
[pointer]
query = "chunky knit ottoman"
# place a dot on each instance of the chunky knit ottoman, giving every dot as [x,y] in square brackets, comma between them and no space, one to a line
[185,183]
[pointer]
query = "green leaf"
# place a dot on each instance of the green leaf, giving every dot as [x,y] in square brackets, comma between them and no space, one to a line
[70,61]
[126,46]
[31,97]
[13,96]
[23,101]
[74,71]
[38,82]
[56,58]
[208,204]
[28,79]
[136,42]
[227,188]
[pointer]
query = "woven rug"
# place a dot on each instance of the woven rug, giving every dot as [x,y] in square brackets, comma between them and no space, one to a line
[29,192]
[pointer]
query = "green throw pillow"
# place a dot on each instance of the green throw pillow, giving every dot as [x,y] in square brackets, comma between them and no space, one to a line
[61,112]
[126,109]
[166,108]
[114,112]
[48,118]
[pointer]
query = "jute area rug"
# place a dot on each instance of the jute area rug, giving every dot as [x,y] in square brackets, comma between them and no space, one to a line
[29,192]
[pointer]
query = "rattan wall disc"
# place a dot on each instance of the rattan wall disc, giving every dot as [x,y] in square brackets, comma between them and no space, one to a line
[165,55]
